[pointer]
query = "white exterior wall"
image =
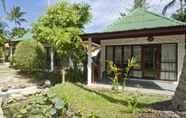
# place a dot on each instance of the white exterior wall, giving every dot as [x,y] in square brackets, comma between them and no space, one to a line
[179,39]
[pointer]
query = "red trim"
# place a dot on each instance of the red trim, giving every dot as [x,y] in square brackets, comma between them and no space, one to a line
[96,37]
[158,59]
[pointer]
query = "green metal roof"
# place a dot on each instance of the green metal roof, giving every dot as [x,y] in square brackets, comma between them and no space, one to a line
[140,18]
[27,36]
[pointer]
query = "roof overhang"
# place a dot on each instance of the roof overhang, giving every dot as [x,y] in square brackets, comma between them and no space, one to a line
[97,37]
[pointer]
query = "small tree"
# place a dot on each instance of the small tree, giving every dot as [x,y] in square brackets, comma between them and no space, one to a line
[61,27]
[117,71]
[30,56]
[132,63]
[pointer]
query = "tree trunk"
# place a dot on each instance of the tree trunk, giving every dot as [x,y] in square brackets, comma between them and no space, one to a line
[179,99]
[63,75]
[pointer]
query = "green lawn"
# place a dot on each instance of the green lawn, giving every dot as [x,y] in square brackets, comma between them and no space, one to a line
[105,103]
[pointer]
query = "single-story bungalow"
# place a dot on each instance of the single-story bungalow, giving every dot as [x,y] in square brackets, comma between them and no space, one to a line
[157,42]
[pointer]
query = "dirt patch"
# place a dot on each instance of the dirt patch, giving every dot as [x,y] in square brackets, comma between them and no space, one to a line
[163,109]
[13,79]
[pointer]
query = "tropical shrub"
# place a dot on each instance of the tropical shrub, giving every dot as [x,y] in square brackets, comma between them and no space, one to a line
[117,71]
[132,104]
[42,105]
[30,56]
[39,106]
[61,28]
[1,55]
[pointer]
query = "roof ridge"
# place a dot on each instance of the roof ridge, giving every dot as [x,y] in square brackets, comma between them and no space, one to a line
[168,18]
[134,19]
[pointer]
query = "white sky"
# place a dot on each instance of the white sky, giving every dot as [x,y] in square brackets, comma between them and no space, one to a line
[106,11]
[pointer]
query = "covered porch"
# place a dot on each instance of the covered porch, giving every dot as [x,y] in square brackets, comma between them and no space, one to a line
[159,53]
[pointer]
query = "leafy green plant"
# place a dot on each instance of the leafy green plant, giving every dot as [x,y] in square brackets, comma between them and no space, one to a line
[116,71]
[93,115]
[58,107]
[131,64]
[113,68]
[42,106]
[1,53]
[61,28]
[132,104]
[30,56]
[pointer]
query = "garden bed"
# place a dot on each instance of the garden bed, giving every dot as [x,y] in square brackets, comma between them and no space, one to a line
[102,103]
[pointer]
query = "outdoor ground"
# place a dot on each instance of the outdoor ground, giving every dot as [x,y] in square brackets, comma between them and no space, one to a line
[12,78]
[99,99]
[105,103]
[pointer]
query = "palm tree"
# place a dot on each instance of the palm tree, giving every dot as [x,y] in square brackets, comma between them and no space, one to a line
[173,3]
[139,4]
[3,5]
[16,16]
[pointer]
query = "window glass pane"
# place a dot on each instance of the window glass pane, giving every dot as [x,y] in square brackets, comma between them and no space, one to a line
[168,53]
[137,53]
[168,62]
[168,67]
[168,76]
[118,55]
[126,53]
[109,53]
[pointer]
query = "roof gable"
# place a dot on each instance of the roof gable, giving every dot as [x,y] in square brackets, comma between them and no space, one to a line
[142,19]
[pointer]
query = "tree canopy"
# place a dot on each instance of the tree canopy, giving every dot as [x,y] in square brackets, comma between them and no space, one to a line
[139,4]
[61,27]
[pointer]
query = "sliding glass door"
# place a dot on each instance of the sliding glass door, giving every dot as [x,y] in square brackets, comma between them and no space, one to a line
[157,61]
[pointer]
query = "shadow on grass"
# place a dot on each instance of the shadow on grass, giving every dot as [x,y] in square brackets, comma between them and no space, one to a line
[40,77]
[110,98]
[163,106]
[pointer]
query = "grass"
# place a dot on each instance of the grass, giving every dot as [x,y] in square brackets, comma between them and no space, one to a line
[105,103]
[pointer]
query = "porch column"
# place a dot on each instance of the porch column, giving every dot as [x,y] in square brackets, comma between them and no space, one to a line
[51,59]
[89,64]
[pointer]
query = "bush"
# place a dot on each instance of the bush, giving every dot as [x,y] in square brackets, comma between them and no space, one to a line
[1,55]
[30,56]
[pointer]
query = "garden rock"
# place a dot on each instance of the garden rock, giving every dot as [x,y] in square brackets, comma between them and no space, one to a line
[46,84]
[22,86]
[4,89]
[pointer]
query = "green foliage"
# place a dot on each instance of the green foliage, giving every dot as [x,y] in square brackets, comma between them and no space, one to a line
[30,56]
[75,75]
[103,102]
[2,33]
[139,4]
[18,32]
[132,104]
[16,16]
[40,106]
[61,27]
[113,68]
[180,16]
[116,71]
[1,53]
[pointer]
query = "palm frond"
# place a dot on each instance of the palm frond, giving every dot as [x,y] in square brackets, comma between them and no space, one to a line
[4,5]
[169,5]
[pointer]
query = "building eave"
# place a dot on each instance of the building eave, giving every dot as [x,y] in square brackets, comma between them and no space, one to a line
[159,31]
